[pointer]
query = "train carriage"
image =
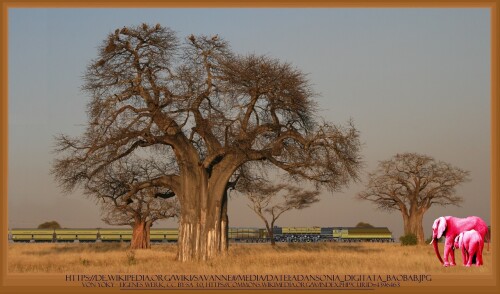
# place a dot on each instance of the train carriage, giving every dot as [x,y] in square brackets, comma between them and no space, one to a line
[163,235]
[76,235]
[115,235]
[367,235]
[248,235]
[297,234]
[32,235]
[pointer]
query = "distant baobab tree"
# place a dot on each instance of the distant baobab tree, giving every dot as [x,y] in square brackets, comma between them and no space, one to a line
[209,111]
[129,196]
[412,183]
[140,213]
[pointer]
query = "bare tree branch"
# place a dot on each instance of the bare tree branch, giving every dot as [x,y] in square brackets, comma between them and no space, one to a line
[269,201]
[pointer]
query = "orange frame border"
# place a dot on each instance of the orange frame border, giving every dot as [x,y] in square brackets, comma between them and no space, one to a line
[54,283]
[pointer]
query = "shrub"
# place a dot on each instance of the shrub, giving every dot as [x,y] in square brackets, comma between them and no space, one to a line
[364,225]
[50,225]
[409,239]
[84,261]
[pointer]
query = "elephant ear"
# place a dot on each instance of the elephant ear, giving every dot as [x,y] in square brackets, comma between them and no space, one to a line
[441,226]
[456,243]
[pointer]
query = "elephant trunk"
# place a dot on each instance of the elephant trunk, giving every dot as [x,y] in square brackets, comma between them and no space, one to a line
[435,244]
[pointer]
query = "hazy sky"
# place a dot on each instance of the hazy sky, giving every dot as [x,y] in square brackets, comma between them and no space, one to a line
[413,80]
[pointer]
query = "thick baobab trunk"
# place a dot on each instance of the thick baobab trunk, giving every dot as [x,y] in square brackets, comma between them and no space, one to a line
[140,235]
[203,222]
[199,235]
[413,225]
[200,222]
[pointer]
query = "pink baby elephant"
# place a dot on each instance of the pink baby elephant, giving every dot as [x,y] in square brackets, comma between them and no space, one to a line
[472,245]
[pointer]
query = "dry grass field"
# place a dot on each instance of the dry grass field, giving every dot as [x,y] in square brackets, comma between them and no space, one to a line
[295,258]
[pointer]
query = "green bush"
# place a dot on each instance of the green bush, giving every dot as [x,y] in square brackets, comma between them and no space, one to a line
[409,239]
[364,225]
[50,225]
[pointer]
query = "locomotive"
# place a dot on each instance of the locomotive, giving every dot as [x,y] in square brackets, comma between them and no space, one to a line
[235,234]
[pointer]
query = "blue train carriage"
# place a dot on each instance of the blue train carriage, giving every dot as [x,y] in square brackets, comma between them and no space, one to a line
[248,235]
[297,234]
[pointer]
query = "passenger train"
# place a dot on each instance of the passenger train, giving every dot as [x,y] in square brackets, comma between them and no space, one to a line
[236,234]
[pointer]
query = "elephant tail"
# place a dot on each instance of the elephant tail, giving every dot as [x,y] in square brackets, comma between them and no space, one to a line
[435,244]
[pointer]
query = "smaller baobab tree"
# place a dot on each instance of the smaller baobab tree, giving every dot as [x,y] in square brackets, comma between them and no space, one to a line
[412,183]
[269,201]
[131,194]
[140,212]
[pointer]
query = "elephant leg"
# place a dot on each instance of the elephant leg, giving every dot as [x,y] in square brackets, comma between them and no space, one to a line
[446,253]
[452,254]
[450,257]
[480,254]
[464,257]
[469,258]
[473,249]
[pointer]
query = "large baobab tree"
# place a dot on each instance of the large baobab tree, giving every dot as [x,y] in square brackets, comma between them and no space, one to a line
[270,201]
[412,183]
[211,111]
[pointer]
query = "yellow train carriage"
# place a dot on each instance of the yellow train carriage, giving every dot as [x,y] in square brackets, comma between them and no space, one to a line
[76,235]
[115,235]
[163,235]
[32,235]
[366,234]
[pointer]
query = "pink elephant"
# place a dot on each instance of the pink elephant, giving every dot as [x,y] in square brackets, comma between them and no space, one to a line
[472,245]
[450,227]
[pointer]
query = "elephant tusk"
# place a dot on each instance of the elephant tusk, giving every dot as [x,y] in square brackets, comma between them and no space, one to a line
[431,241]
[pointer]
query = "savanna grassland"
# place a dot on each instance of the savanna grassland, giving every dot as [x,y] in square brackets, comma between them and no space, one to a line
[294,258]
